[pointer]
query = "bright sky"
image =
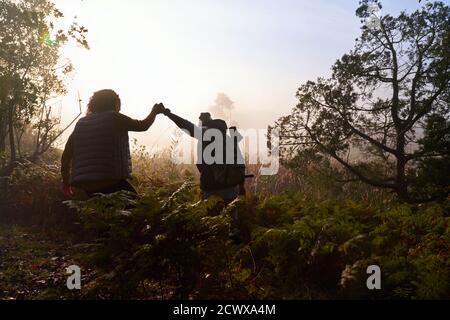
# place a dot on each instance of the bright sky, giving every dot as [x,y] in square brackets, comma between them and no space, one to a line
[183,53]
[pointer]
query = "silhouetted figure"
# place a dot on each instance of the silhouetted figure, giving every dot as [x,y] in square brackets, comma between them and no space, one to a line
[97,157]
[221,178]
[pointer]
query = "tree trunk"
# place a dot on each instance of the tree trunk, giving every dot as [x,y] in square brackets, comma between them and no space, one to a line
[401,184]
[12,144]
[2,133]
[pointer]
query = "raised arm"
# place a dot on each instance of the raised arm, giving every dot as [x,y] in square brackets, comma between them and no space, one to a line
[125,123]
[184,124]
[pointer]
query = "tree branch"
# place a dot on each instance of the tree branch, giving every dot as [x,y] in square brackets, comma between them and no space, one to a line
[353,170]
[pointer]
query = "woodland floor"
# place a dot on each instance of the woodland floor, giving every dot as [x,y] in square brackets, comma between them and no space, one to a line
[32,266]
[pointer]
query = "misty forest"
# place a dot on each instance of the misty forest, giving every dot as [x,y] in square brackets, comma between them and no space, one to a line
[364,179]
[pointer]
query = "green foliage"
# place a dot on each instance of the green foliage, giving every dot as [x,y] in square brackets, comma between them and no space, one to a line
[167,247]
[30,192]
[165,243]
[304,238]
[413,245]
[154,241]
[31,74]
[394,141]
[31,195]
[168,244]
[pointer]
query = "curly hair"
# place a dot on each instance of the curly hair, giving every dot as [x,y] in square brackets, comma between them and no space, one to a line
[104,100]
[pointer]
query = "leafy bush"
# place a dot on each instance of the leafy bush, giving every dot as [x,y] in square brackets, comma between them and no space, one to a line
[155,246]
[166,243]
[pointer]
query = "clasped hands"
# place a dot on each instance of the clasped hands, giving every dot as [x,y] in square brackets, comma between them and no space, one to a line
[159,108]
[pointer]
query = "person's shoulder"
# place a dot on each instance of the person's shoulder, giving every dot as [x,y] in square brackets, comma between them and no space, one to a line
[106,115]
[118,115]
[81,121]
[93,118]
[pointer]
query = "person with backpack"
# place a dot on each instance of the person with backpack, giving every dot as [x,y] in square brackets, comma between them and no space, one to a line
[222,173]
[96,157]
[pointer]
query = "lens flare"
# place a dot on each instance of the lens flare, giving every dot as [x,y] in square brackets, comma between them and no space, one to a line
[47,41]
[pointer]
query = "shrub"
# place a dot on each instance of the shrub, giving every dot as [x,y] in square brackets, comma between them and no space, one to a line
[170,247]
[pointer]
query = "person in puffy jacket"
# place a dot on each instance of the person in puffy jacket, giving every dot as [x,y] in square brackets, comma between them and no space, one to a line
[96,157]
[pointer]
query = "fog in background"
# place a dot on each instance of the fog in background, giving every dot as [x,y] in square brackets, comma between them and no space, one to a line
[241,60]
